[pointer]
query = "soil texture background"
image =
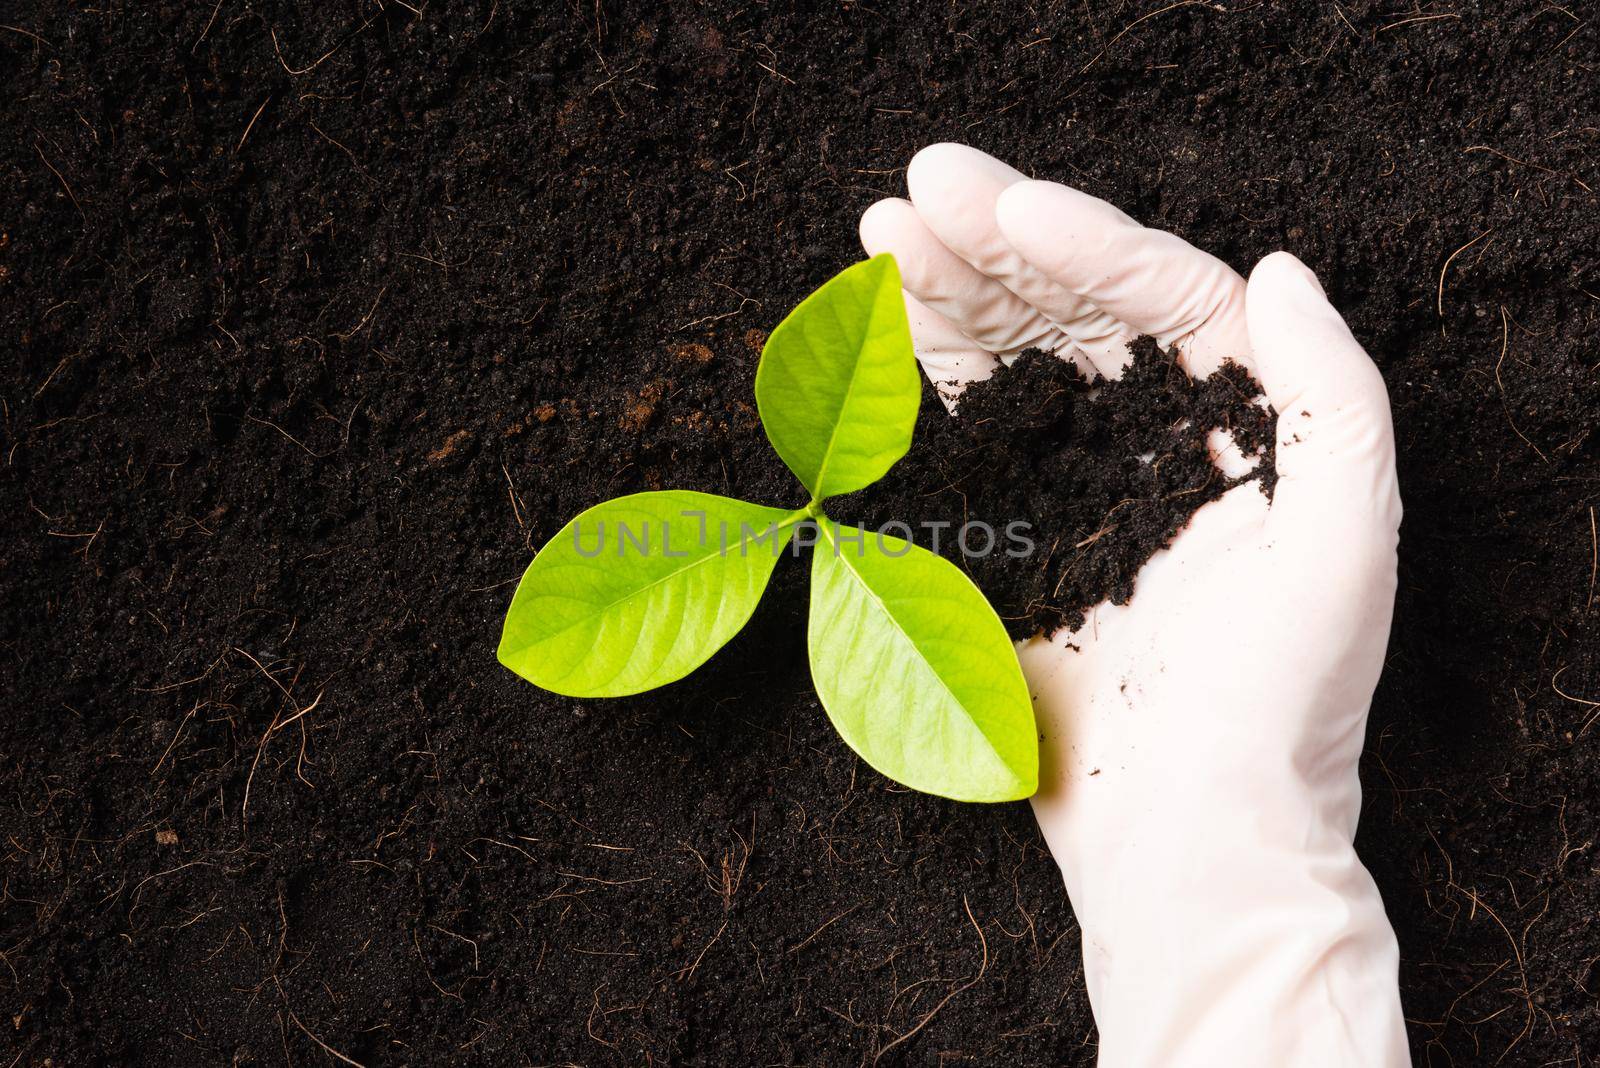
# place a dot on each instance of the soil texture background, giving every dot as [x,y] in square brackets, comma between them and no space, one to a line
[315,320]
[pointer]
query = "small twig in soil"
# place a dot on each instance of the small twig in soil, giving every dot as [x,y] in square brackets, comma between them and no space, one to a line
[426,970]
[603,882]
[90,534]
[725,882]
[186,682]
[304,447]
[277,723]
[251,125]
[329,1050]
[270,731]
[511,491]
[594,1008]
[177,735]
[1526,163]
[353,160]
[1555,685]
[462,937]
[1096,536]
[63,182]
[503,845]
[1505,342]
[714,318]
[207,30]
[983,966]
[1125,30]
[323,57]
[495,586]
[348,334]
[1516,949]
[1451,259]
[283,943]
[687,973]
[26,33]
[795,949]
[51,377]
[1416,18]
[139,889]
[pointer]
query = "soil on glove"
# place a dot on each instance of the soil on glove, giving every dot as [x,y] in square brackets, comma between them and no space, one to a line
[1051,490]
[318,319]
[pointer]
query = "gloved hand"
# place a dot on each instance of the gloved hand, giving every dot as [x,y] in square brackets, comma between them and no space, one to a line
[1198,781]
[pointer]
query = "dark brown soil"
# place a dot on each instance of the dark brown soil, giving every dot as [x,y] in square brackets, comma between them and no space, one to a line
[1098,475]
[317,319]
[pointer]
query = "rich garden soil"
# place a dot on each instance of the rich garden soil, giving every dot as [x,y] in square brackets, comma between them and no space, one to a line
[1052,490]
[317,319]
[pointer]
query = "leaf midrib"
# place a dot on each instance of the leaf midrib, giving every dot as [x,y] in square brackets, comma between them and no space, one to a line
[828,534]
[788,521]
[849,390]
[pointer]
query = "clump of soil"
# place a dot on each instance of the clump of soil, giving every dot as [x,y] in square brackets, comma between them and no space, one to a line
[1098,474]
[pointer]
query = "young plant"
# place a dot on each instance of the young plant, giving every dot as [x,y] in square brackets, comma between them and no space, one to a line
[913,666]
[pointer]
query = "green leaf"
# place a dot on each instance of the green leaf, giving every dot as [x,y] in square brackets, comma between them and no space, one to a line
[916,670]
[605,611]
[837,387]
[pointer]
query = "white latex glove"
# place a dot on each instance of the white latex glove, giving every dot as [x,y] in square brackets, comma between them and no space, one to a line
[1197,777]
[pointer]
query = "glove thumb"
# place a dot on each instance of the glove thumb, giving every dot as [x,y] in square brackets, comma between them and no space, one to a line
[1335,445]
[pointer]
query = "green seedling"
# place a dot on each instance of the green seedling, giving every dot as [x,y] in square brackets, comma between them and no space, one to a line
[912,665]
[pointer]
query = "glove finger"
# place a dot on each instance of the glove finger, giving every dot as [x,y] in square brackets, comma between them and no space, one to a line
[1335,448]
[980,307]
[954,189]
[949,358]
[1155,282]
